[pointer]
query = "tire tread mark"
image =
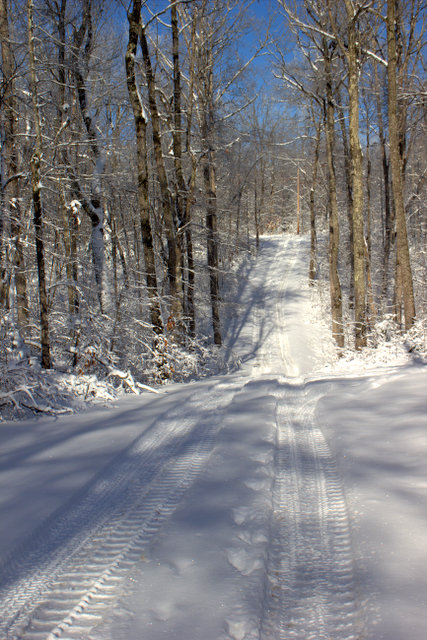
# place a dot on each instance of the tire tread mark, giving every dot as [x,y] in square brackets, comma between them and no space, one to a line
[78,574]
[310,591]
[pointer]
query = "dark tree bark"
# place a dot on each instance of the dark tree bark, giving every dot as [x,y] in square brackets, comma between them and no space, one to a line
[185,193]
[174,257]
[10,183]
[189,31]
[209,179]
[70,214]
[334,280]
[134,18]
[37,204]
[212,243]
[353,54]
[205,89]
[177,117]
[388,210]
[93,205]
[349,192]
[397,168]
[312,272]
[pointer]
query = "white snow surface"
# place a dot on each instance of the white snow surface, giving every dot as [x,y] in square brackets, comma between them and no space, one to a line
[286,500]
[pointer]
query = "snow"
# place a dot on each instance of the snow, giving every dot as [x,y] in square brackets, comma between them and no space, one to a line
[381,445]
[283,500]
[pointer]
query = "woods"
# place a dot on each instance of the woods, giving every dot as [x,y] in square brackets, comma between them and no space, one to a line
[352,66]
[145,146]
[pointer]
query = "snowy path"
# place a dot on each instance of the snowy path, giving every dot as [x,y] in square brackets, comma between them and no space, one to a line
[77,567]
[217,510]
[312,590]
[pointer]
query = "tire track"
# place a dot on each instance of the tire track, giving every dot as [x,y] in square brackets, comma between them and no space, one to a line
[269,320]
[289,366]
[69,575]
[310,590]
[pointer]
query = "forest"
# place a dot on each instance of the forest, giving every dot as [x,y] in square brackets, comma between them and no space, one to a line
[147,145]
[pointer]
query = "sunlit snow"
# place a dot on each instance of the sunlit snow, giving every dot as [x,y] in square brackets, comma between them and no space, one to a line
[286,500]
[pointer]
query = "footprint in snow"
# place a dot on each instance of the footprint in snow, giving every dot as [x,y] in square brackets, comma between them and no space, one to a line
[241,514]
[243,561]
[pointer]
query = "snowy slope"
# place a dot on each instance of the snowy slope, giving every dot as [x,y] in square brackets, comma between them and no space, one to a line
[285,500]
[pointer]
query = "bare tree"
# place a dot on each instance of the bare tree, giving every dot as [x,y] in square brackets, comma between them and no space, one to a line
[36,194]
[10,180]
[313,233]
[351,50]
[404,272]
[134,18]
[334,280]
[92,205]
[174,255]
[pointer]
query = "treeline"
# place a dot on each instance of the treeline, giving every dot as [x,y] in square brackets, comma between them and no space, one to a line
[140,153]
[124,179]
[357,70]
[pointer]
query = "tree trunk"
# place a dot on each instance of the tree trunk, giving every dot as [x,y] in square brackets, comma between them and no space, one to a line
[191,186]
[142,168]
[212,240]
[206,107]
[396,160]
[174,257]
[92,206]
[256,213]
[70,213]
[177,128]
[353,56]
[334,281]
[37,205]
[10,188]
[189,302]
[388,210]
[313,236]
[185,194]
[349,191]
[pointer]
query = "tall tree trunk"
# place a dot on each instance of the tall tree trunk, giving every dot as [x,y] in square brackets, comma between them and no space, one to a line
[353,57]
[134,18]
[261,204]
[37,205]
[177,119]
[174,257]
[184,194]
[10,188]
[209,179]
[313,235]
[189,302]
[93,206]
[368,190]
[334,281]
[396,160]
[349,191]
[212,239]
[70,213]
[256,211]
[206,107]
[191,186]
[388,210]
[368,241]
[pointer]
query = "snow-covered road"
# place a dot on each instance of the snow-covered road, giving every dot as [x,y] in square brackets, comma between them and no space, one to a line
[286,500]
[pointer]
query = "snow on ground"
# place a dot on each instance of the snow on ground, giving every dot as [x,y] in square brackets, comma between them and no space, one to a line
[284,500]
[377,428]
